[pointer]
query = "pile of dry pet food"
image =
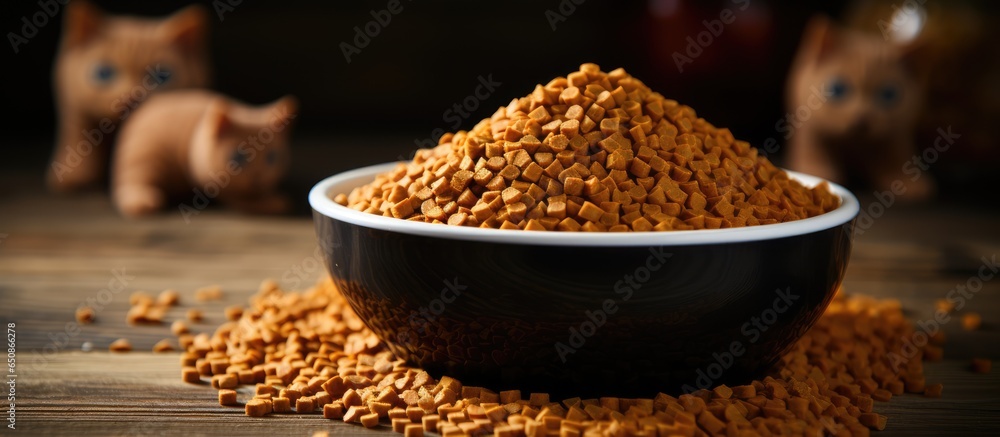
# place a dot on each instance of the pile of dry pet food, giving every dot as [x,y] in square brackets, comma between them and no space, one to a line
[592,151]
[308,353]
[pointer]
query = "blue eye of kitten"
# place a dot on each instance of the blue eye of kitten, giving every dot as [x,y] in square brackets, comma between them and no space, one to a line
[888,95]
[162,74]
[104,73]
[238,158]
[838,89]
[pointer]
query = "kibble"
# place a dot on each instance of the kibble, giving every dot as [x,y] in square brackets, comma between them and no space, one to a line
[190,375]
[972,321]
[164,345]
[594,151]
[981,365]
[258,407]
[85,315]
[168,298]
[194,315]
[345,371]
[204,294]
[120,345]
[227,397]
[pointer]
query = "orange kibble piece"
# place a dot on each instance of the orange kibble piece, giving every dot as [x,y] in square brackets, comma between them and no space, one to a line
[981,365]
[120,345]
[971,321]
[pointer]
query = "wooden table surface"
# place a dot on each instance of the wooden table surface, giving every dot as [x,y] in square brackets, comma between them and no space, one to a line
[56,252]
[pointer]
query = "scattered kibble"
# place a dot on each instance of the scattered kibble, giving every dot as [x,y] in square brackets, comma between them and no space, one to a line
[195,315]
[592,151]
[120,345]
[981,365]
[205,294]
[233,312]
[85,315]
[179,327]
[344,371]
[258,407]
[971,321]
[140,298]
[164,345]
[168,298]
[944,305]
[190,375]
[227,397]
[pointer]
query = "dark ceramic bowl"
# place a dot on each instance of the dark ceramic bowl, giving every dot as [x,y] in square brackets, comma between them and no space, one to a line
[626,314]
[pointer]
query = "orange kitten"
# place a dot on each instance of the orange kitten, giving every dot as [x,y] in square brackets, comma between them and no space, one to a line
[106,66]
[853,105]
[198,146]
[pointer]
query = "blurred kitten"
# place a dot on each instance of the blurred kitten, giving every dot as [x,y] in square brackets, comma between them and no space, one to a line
[105,67]
[862,129]
[203,146]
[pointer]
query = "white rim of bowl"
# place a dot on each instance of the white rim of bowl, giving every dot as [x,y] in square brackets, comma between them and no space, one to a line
[321,200]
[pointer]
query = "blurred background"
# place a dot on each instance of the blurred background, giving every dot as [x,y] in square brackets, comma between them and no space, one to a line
[399,88]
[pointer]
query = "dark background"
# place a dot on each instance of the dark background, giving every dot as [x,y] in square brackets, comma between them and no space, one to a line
[429,58]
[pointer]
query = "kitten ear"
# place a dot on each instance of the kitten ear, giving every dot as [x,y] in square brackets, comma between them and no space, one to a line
[284,110]
[187,28]
[217,120]
[82,22]
[818,39]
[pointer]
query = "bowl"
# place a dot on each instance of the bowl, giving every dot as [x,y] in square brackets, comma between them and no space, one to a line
[584,314]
